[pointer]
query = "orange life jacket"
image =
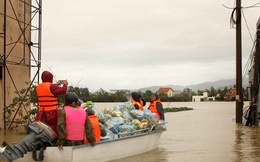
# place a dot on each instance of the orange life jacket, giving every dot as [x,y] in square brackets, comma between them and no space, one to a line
[47,101]
[75,123]
[153,109]
[96,127]
[140,104]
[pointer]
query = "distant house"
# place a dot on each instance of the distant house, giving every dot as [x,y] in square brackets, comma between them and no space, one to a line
[167,90]
[231,95]
[204,97]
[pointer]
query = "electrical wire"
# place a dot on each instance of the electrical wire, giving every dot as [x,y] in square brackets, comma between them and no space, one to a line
[253,6]
[235,21]
[247,66]
[247,26]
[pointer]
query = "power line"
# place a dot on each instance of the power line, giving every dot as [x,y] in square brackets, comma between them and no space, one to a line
[247,26]
[246,68]
[253,6]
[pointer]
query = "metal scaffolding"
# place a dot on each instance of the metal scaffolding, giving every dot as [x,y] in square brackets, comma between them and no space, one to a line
[29,45]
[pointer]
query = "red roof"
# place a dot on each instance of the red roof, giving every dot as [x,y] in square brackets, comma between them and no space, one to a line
[164,90]
[230,94]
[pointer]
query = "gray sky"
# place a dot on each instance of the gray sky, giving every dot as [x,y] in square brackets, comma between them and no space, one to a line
[130,44]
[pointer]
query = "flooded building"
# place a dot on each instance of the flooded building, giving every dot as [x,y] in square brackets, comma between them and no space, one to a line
[203,97]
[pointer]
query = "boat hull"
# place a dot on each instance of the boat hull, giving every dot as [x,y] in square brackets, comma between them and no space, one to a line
[103,151]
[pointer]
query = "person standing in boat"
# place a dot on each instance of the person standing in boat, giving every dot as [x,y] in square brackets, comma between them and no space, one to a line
[138,101]
[99,129]
[73,124]
[156,106]
[47,93]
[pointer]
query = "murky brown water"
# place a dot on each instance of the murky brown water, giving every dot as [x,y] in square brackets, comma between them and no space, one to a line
[207,133]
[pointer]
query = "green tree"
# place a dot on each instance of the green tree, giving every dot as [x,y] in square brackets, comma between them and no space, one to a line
[186,94]
[19,111]
[200,92]
[212,92]
[147,95]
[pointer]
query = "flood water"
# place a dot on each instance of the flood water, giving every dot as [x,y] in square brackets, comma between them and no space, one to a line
[207,133]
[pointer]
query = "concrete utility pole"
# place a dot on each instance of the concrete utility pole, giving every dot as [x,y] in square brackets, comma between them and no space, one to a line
[239,95]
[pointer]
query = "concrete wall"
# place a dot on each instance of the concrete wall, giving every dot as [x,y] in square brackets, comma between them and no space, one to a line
[170,93]
[17,50]
[204,97]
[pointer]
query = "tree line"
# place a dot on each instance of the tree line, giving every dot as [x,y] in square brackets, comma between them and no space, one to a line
[25,100]
[120,96]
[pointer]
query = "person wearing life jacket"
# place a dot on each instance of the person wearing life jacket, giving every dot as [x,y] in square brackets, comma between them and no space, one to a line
[156,106]
[48,105]
[138,101]
[73,124]
[88,104]
[99,130]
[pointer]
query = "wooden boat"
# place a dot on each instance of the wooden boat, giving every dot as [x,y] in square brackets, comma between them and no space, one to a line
[126,145]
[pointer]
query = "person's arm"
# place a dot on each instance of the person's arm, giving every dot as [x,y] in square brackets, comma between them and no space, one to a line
[61,128]
[159,108]
[58,90]
[90,132]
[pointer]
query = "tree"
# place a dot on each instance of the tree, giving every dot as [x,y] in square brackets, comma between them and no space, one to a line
[186,94]
[147,95]
[83,93]
[20,110]
[212,91]
[200,92]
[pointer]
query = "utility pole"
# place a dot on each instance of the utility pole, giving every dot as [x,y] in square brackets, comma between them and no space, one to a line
[239,95]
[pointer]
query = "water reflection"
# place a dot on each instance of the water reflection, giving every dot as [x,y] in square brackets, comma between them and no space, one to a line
[155,155]
[207,133]
[247,144]
[12,136]
[238,144]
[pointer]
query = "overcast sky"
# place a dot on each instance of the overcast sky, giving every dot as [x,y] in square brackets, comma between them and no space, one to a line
[131,44]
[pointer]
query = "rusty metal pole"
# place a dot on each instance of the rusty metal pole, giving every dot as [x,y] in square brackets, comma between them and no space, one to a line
[239,95]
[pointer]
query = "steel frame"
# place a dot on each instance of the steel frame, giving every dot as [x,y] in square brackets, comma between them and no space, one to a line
[34,46]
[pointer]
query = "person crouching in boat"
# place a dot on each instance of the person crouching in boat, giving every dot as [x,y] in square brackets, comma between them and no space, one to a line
[156,106]
[138,101]
[73,124]
[99,130]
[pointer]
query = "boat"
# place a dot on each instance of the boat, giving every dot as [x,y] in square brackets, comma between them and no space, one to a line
[104,150]
[38,146]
